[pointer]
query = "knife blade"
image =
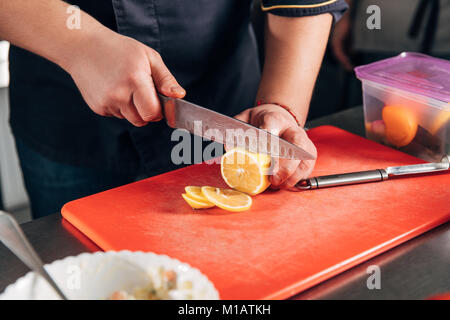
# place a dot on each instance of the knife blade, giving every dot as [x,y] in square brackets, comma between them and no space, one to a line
[376,175]
[220,128]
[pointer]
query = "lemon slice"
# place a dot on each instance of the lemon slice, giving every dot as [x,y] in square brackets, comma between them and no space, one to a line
[227,199]
[195,193]
[195,204]
[245,171]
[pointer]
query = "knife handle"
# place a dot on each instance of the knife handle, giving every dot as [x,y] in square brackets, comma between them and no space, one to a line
[343,179]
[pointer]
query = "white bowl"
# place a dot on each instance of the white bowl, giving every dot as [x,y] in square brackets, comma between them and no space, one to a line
[97,275]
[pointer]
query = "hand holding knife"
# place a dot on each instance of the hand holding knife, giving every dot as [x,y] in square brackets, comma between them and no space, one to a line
[231,132]
[185,115]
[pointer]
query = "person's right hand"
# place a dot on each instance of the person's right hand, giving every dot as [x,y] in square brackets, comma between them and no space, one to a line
[119,76]
[340,42]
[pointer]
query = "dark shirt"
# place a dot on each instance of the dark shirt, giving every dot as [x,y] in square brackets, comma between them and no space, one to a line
[209,46]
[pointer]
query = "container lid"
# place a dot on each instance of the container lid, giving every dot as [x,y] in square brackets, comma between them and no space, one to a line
[413,72]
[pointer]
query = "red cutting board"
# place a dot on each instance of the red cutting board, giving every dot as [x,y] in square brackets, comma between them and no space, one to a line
[288,241]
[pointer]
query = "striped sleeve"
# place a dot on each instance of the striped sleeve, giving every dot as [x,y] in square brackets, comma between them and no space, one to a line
[300,8]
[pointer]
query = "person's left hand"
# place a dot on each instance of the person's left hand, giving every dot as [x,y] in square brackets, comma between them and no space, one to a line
[280,122]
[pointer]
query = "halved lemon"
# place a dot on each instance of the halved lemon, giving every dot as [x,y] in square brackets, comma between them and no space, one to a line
[245,171]
[195,193]
[195,204]
[227,199]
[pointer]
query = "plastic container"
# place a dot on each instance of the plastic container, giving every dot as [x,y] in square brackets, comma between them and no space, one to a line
[406,104]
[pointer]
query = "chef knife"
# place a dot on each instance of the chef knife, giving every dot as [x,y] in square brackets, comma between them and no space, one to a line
[372,175]
[220,128]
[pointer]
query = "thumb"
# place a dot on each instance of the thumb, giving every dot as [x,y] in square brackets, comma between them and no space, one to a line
[164,81]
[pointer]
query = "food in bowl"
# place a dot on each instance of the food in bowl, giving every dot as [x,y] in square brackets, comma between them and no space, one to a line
[163,284]
[97,276]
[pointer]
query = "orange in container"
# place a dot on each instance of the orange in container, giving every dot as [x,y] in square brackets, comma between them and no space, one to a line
[401,125]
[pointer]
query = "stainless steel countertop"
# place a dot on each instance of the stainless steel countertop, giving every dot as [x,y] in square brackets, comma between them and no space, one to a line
[416,269]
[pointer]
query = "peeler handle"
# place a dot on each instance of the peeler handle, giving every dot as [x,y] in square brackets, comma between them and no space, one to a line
[343,179]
